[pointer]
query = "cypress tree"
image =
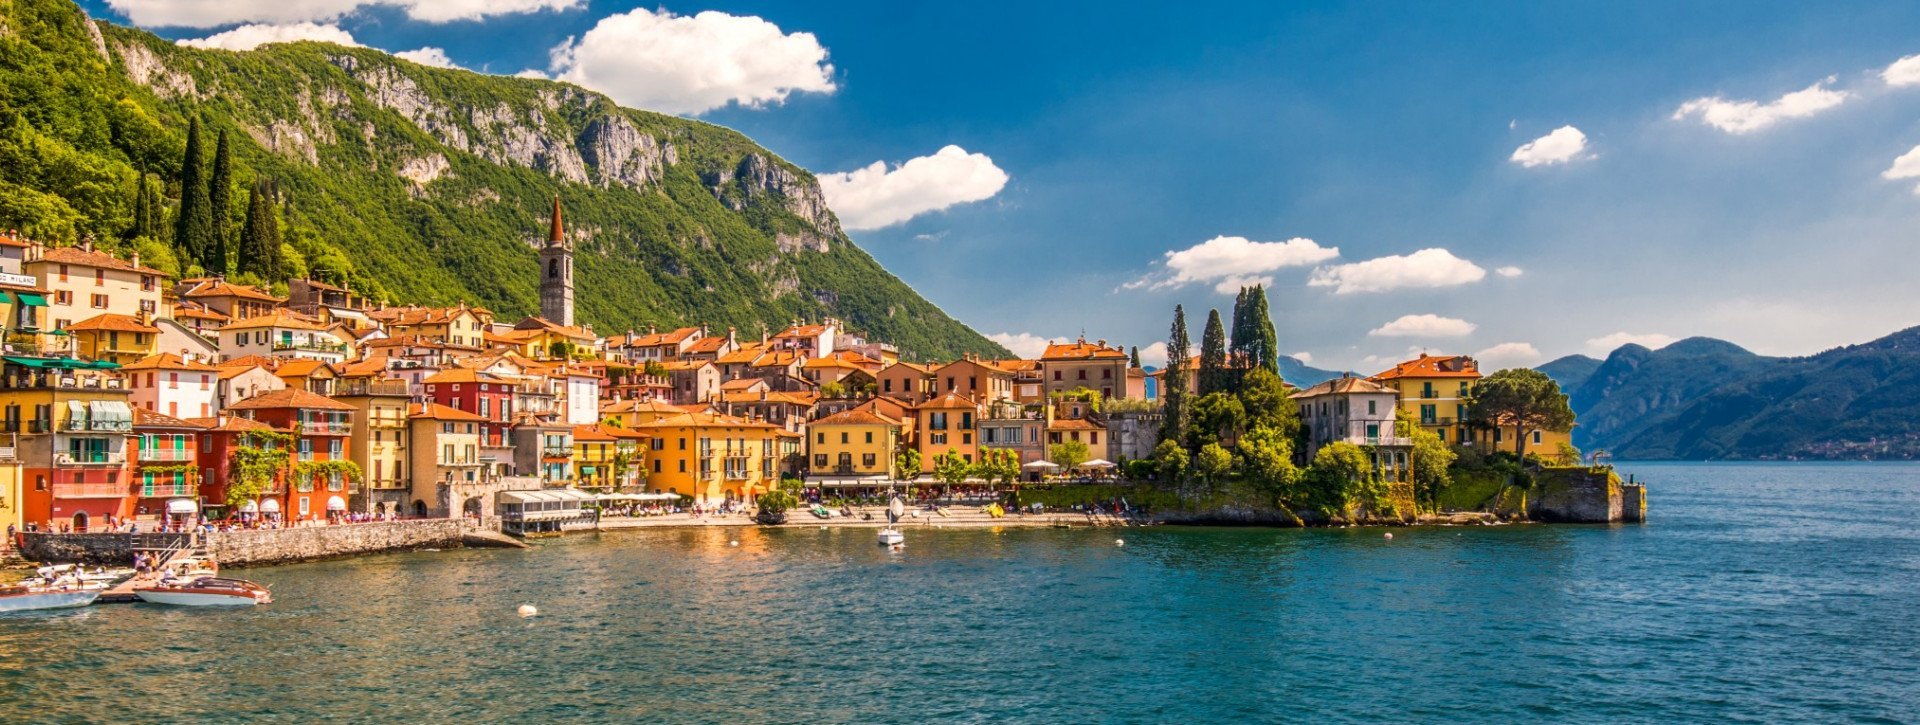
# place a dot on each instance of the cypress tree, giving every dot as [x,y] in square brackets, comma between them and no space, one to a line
[1133,357]
[1173,383]
[1237,343]
[259,250]
[1213,356]
[193,226]
[220,202]
[142,208]
[1264,350]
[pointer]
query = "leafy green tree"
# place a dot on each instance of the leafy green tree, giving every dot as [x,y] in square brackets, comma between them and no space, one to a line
[1173,381]
[143,205]
[156,254]
[833,390]
[1268,403]
[1217,418]
[772,506]
[655,369]
[1521,400]
[1266,461]
[909,462]
[1068,455]
[951,469]
[998,465]
[220,202]
[1432,461]
[193,224]
[256,461]
[1171,461]
[1336,479]
[1214,375]
[1212,465]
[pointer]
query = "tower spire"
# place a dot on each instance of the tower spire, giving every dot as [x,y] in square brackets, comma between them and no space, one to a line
[555,236]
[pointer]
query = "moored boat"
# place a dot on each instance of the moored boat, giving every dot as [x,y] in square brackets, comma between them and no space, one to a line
[26,597]
[891,537]
[205,592]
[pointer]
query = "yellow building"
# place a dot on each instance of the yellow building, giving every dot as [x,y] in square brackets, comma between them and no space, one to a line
[712,457]
[462,325]
[853,443]
[606,456]
[446,458]
[631,414]
[115,338]
[1433,391]
[82,282]
[11,513]
[946,423]
[378,442]
[539,339]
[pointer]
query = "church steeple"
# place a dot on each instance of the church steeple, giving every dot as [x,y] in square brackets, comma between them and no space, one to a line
[556,279]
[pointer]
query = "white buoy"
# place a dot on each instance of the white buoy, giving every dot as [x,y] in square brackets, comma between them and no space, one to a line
[823,527]
[1389,535]
[528,610]
[1119,542]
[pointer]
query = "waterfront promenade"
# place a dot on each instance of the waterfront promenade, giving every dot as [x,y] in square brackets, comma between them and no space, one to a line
[956,517]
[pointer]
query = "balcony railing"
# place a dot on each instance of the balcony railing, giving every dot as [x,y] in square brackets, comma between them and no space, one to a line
[89,458]
[312,345]
[165,455]
[557,452]
[43,381]
[386,484]
[321,427]
[169,490]
[89,490]
[373,387]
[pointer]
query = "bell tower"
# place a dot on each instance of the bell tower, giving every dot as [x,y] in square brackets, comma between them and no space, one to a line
[556,274]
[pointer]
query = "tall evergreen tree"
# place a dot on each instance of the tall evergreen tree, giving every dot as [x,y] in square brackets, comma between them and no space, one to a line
[220,201]
[1173,382]
[1237,354]
[1133,357]
[1263,351]
[142,208]
[1214,375]
[259,249]
[193,225]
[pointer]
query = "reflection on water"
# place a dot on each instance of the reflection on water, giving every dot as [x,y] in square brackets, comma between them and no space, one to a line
[1759,592]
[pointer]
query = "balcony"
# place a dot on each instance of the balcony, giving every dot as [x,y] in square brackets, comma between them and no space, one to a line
[169,490]
[386,485]
[557,452]
[90,458]
[166,455]
[88,424]
[321,427]
[458,463]
[309,346]
[48,381]
[89,490]
[1439,421]
[365,387]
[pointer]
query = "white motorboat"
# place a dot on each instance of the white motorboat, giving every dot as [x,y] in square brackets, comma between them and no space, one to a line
[24,597]
[892,537]
[205,592]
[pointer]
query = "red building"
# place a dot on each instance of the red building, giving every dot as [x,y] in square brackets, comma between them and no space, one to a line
[321,428]
[484,395]
[166,471]
[219,437]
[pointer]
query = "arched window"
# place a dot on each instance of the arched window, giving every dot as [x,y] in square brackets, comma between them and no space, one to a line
[553,269]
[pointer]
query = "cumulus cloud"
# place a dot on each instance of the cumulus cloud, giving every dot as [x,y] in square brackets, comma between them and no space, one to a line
[1426,268]
[1565,144]
[1155,355]
[683,64]
[1229,263]
[1028,345]
[1425,326]
[214,13]
[1744,116]
[1509,271]
[1903,72]
[435,57]
[875,197]
[248,37]
[1507,355]
[1905,167]
[1609,343]
[1305,358]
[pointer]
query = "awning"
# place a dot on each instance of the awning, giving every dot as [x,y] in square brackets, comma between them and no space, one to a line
[181,506]
[346,314]
[57,363]
[271,505]
[77,414]
[31,299]
[845,481]
[250,507]
[114,412]
[336,504]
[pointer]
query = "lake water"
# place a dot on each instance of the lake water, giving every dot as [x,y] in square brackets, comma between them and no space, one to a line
[1756,592]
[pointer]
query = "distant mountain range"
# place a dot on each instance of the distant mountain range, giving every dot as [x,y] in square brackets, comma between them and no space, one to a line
[1707,399]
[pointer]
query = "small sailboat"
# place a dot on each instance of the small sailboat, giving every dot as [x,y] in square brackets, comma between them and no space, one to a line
[891,537]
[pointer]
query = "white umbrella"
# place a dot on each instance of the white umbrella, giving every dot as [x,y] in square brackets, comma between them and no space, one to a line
[1041,465]
[1097,463]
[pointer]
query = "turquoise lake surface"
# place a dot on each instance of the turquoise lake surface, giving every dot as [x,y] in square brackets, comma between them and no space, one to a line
[1756,592]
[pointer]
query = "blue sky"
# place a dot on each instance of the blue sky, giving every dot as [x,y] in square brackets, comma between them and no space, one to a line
[1098,139]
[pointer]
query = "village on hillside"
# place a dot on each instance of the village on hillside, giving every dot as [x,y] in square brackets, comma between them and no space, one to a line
[134,399]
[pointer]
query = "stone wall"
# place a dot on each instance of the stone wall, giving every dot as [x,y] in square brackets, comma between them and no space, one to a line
[280,546]
[107,549]
[1577,496]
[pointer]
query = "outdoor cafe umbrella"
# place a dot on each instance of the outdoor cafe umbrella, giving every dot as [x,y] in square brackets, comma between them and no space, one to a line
[1097,463]
[1041,466]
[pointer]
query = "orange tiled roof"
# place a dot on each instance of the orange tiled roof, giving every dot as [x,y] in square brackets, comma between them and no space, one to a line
[739,384]
[166,361]
[143,418]
[436,411]
[800,331]
[885,407]
[948,400]
[290,398]
[78,257]
[705,420]
[276,319]
[1074,424]
[214,287]
[1082,350]
[707,345]
[303,368]
[462,375]
[111,323]
[855,416]
[195,311]
[231,424]
[653,339]
[1344,386]
[641,406]
[1433,366]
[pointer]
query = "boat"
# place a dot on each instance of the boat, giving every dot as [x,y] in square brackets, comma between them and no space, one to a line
[821,511]
[205,591]
[97,578]
[30,597]
[891,537]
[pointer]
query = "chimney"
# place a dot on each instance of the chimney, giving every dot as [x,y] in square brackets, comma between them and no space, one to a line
[732,339]
[86,243]
[134,258]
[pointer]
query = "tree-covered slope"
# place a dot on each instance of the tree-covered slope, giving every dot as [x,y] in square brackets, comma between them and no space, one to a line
[429,185]
[1636,387]
[1571,371]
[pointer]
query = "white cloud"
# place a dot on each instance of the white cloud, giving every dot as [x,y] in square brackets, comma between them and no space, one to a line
[1565,144]
[874,197]
[435,57]
[1154,355]
[1305,358]
[1903,72]
[214,13]
[1905,167]
[1425,326]
[1507,355]
[1029,345]
[1748,116]
[1607,344]
[248,37]
[1509,271]
[1229,263]
[531,73]
[692,64]
[1426,268]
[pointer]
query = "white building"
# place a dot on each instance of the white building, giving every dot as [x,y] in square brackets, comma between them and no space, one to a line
[281,335]
[1360,412]
[169,384]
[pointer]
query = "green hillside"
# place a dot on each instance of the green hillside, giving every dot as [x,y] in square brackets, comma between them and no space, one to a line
[418,184]
[1571,371]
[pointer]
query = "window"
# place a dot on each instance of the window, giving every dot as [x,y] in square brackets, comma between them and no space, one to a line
[99,278]
[1056,375]
[63,273]
[656,465]
[99,302]
[1536,438]
[1093,438]
[683,465]
[867,460]
[1373,407]
[1106,374]
[966,439]
[820,438]
[869,436]
[819,460]
[1081,374]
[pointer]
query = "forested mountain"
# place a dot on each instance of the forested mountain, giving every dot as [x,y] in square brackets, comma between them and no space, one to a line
[430,185]
[1570,371]
[1708,399]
